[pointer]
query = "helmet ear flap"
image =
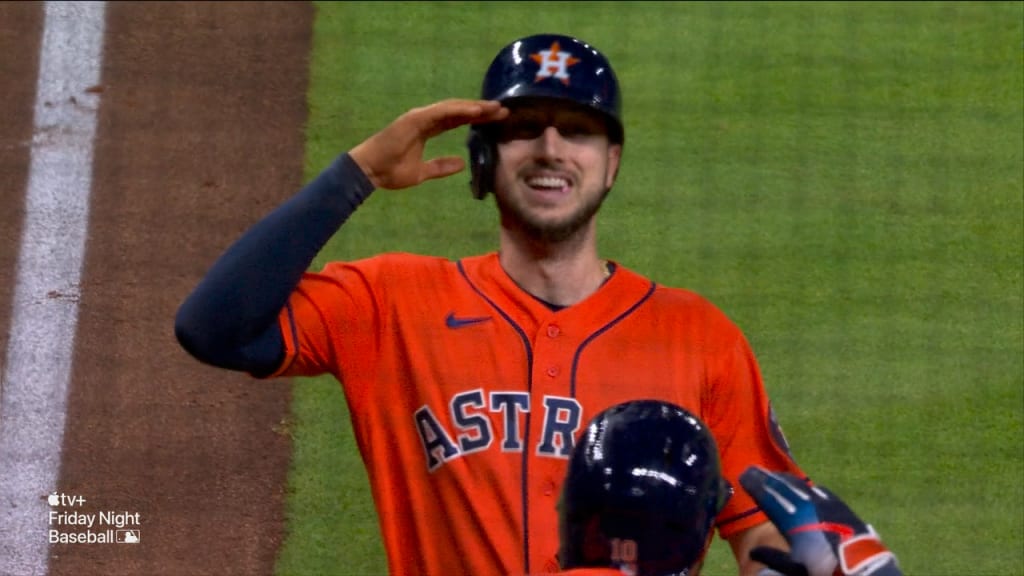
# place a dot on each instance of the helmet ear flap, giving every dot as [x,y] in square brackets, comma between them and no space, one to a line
[481,162]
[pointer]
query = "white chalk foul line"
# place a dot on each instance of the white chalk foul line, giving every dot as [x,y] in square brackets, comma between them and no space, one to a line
[36,371]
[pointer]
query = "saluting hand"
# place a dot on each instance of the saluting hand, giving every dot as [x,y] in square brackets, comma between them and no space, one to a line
[393,157]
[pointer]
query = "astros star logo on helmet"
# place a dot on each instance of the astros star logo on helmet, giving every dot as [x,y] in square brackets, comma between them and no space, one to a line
[554,62]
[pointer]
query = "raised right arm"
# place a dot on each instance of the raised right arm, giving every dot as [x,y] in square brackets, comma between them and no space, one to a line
[230,319]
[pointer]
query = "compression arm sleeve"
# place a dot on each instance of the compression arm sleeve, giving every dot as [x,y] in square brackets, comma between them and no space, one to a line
[230,319]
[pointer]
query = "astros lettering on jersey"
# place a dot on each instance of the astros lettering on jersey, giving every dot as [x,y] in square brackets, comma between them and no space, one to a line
[467,394]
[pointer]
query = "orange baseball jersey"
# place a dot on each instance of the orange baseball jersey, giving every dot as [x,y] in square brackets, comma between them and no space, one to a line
[467,394]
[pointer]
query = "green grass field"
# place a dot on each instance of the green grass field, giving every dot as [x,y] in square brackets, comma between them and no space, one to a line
[845,180]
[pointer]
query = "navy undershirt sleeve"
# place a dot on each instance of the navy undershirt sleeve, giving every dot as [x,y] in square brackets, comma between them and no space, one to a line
[230,319]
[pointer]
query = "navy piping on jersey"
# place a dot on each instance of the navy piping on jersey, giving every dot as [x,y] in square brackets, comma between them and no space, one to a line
[526,433]
[559,307]
[739,516]
[295,336]
[603,329]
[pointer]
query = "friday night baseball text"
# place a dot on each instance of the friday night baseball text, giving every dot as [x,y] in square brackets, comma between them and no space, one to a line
[108,518]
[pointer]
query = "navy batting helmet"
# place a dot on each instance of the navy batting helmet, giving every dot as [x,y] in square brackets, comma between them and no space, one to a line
[643,489]
[544,66]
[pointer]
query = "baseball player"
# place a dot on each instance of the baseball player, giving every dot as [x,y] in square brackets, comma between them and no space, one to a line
[468,379]
[643,488]
[642,491]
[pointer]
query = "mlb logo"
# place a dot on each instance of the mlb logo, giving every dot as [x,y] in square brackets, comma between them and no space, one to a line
[127,537]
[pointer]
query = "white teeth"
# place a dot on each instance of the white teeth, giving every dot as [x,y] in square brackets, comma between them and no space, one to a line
[547,182]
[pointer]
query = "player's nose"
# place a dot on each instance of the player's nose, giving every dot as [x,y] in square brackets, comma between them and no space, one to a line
[550,144]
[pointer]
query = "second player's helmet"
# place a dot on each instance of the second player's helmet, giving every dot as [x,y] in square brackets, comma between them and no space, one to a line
[544,66]
[642,491]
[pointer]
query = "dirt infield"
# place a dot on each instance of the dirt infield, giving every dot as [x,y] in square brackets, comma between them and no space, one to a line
[199,134]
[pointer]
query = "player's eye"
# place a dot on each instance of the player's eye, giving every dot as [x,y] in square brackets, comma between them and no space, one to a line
[577,128]
[520,129]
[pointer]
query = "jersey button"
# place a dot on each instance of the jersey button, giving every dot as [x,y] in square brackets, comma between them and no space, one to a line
[554,331]
[549,488]
[553,371]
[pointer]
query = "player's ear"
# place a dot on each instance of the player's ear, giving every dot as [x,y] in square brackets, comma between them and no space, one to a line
[614,160]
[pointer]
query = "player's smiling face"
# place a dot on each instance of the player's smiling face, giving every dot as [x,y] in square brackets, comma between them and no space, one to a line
[555,168]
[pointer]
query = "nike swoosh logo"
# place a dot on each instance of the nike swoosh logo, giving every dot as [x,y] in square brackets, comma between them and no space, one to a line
[452,321]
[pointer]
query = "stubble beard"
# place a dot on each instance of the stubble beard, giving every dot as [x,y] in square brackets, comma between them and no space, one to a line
[516,216]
